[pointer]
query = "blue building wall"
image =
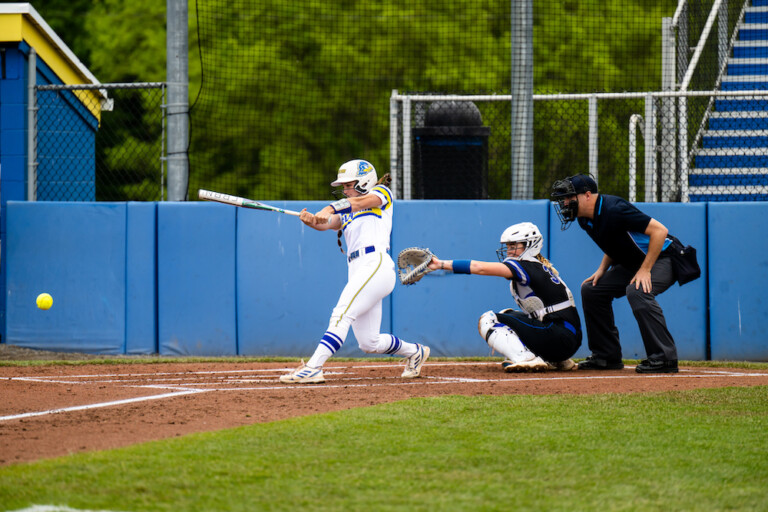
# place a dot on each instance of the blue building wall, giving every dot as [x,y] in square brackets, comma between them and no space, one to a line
[210,279]
[13,146]
[65,144]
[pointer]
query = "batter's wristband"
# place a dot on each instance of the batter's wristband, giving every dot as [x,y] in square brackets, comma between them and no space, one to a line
[342,206]
[461,266]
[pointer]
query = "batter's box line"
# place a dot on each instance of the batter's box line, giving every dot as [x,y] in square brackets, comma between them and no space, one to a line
[439,379]
[311,387]
[461,379]
[125,377]
[299,386]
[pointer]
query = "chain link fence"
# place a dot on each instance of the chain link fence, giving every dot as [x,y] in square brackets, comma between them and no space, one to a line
[89,149]
[572,134]
[703,135]
[635,144]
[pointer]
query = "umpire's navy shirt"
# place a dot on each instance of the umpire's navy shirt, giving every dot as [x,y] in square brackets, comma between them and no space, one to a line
[618,228]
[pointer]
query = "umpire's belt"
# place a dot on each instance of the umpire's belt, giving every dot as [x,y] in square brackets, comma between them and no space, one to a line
[360,252]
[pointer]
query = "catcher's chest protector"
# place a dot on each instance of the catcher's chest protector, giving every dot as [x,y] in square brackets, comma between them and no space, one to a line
[525,298]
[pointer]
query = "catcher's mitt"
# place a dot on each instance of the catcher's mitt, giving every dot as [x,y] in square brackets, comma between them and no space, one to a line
[412,264]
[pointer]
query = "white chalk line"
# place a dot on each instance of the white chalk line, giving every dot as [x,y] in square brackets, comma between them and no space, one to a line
[102,404]
[190,380]
[454,380]
[195,387]
[221,372]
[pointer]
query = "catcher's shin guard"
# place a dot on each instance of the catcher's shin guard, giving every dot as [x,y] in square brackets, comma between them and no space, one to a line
[487,323]
[505,341]
[502,339]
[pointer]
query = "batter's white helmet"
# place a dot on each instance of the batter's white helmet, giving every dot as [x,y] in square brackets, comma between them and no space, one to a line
[525,232]
[360,171]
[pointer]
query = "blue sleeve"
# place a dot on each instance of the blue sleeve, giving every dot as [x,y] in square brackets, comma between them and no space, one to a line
[518,272]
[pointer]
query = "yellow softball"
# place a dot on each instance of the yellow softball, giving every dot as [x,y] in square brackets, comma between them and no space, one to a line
[44,301]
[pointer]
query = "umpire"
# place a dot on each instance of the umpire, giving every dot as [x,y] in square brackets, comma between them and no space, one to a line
[634,264]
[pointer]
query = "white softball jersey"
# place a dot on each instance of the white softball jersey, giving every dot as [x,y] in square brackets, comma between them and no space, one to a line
[371,277]
[372,227]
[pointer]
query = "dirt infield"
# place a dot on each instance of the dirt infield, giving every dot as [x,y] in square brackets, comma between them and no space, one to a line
[49,411]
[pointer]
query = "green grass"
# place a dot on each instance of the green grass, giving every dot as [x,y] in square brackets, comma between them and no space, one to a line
[692,450]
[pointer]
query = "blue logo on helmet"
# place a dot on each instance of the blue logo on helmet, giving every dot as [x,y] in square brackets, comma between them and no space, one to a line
[363,168]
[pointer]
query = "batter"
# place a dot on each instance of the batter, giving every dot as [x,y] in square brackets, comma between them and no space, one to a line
[365,218]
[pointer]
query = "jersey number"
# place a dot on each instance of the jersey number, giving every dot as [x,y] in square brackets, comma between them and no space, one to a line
[553,277]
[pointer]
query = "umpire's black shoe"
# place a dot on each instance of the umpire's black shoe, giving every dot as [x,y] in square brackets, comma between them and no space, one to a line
[596,363]
[657,366]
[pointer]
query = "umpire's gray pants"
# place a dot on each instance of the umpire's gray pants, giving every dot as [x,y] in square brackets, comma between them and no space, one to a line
[602,334]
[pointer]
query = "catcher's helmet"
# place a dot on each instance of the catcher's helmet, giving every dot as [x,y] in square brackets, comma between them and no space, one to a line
[525,232]
[360,171]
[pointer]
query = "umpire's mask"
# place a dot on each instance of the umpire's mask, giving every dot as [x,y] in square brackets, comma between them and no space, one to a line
[568,189]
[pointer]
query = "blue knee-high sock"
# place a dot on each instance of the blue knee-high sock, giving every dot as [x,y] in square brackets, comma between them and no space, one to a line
[329,344]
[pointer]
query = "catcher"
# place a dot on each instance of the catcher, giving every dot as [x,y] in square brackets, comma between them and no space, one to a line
[364,216]
[547,332]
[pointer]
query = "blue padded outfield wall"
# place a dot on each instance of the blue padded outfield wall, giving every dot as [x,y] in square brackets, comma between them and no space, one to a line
[77,253]
[209,279]
[738,262]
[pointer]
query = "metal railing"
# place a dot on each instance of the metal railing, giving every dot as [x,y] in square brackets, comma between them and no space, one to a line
[635,121]
[726,37]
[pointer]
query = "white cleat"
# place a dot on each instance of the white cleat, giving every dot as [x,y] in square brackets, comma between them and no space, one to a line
[414,363]
[562,366]
[304,375]
[536,364]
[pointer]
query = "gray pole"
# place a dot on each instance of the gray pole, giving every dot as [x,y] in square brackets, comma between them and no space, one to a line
[32,126]
[593,136]
[522,99]
[177,76]
[668,119]
[722,34]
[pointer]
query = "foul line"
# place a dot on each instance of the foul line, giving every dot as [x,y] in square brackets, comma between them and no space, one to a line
[103,404]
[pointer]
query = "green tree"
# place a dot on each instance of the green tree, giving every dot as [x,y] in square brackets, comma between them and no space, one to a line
[290,89]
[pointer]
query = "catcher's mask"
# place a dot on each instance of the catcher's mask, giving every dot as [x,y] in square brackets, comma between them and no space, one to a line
[565,196]
[360,171]
[525,232]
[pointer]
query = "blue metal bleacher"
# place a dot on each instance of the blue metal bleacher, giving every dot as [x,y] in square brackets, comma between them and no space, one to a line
[732,163]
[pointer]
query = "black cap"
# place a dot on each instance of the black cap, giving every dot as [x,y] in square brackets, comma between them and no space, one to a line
[573,185]
[583,183]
